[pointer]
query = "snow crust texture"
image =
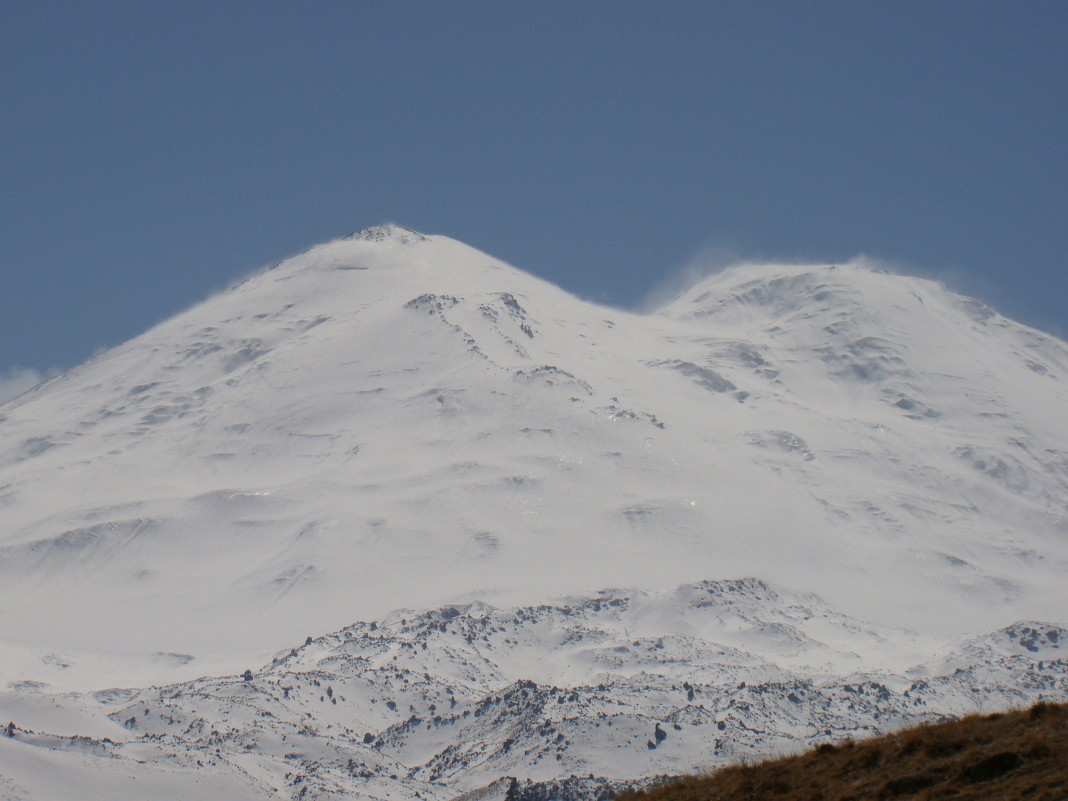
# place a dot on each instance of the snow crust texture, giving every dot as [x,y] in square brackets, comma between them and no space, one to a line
[394,420]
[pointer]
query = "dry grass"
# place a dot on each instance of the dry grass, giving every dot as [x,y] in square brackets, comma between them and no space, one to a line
[1016,755]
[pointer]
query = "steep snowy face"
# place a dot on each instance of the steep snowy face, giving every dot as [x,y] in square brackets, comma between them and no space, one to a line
[396,420]
[365,414]
[287,376]
[945,415]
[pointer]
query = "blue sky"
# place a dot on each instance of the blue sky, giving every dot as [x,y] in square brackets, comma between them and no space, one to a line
[154,152]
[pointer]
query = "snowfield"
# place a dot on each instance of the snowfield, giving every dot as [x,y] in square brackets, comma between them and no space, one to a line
[794,503]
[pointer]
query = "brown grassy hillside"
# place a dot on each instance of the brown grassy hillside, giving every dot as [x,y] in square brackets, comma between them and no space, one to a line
[1016,755]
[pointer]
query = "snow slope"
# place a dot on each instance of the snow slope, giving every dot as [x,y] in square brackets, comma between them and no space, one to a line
[395,420]
[569,697]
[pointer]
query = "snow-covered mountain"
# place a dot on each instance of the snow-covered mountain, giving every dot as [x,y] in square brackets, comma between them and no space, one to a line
[395,421]
[561,700]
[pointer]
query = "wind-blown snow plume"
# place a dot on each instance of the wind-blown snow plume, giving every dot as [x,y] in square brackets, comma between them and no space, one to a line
[16,380]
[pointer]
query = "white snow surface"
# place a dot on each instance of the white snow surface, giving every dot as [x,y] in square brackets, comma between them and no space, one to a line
[394,420]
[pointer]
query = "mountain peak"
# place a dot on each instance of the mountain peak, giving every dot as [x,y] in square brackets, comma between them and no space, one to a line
[387,232]
[780,290]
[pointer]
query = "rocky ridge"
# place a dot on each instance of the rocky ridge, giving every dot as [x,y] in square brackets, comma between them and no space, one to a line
[566,698]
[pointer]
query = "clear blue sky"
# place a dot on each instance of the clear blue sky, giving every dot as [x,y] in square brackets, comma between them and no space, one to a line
[153,152]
